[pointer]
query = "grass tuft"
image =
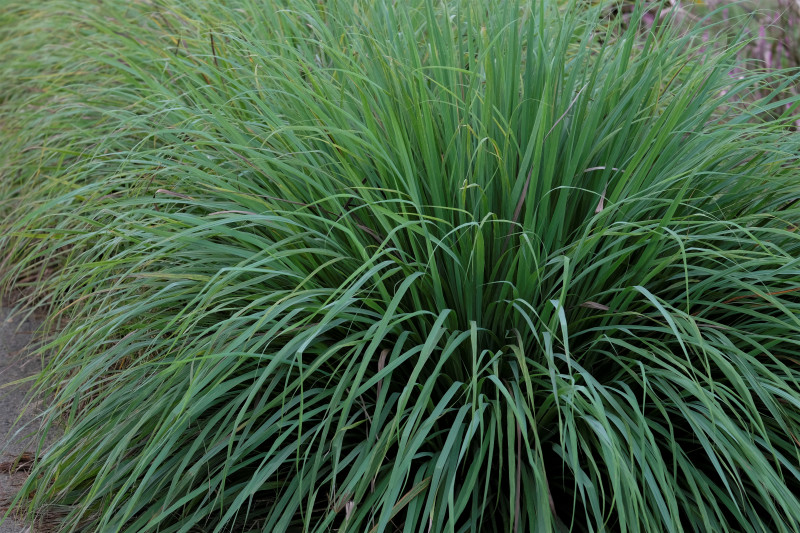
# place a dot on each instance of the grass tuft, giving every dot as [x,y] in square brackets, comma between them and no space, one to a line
[376,266]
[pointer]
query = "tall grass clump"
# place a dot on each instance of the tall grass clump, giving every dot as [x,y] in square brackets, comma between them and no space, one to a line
[427,265]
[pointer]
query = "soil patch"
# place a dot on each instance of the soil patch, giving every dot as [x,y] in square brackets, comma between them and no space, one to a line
[15,432]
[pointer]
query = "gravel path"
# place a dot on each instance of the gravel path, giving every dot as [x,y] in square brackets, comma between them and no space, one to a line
[14,337]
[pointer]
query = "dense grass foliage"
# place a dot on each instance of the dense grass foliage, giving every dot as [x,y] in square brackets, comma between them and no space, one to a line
[441,266]
[54,102]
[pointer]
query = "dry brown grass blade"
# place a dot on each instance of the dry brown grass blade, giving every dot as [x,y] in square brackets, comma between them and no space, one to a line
[22,463]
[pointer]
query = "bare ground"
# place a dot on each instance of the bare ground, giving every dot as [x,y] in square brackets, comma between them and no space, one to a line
[15,438]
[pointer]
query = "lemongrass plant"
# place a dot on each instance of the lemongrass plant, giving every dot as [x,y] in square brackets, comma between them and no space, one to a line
[428,265]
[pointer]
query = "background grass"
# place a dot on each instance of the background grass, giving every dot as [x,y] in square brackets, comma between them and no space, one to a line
[452,266]
[769,29]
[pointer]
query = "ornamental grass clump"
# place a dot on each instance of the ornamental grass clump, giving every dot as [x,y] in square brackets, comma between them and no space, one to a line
[439,266]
